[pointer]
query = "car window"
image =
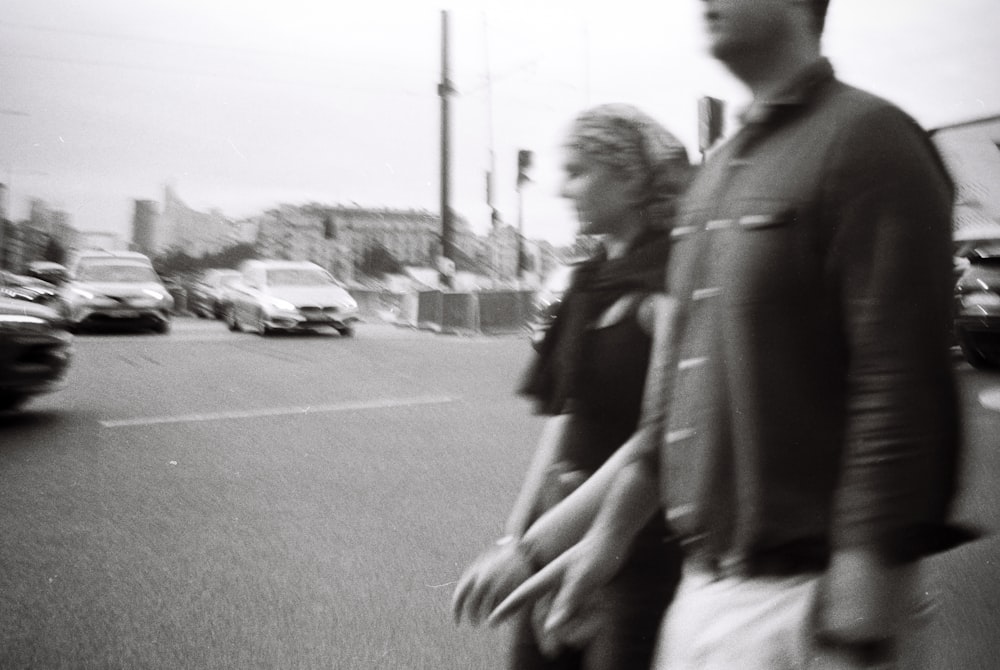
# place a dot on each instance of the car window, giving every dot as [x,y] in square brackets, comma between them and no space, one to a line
[104,272]
[298,277]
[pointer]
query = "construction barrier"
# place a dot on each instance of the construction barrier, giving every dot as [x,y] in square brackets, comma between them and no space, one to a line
[429,306]
[504,311]
[487,312]
[460,313]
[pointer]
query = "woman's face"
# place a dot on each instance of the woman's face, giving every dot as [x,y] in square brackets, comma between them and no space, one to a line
[602,196]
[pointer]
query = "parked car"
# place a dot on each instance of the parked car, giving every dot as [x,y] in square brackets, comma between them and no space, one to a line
[35,352]
[119,291]
[206,294]
[546,302]
[274,295]
[22,287]
[977,306]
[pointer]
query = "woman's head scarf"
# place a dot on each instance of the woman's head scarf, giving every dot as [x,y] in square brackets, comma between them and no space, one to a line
[627,139]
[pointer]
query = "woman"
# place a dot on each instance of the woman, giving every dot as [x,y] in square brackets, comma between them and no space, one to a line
[623,172]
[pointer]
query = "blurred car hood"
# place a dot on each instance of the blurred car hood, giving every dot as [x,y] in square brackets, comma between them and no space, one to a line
[322,296]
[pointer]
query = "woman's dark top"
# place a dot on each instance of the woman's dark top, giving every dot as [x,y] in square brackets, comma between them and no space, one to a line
[592,364]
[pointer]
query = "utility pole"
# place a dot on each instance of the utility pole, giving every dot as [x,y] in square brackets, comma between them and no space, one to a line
[491,170]
[523,165]
[446,263]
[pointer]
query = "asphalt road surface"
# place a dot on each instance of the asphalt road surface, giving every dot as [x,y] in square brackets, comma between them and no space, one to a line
[209,499]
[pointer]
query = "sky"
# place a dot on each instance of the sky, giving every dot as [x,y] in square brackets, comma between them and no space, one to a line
[240,105]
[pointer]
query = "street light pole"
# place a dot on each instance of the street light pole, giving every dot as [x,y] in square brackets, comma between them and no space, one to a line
[8,206]
[444,92]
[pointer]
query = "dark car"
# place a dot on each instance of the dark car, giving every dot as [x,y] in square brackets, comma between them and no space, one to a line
[35,351]
[977,306]
[22,287]
[206,294]
[546,301]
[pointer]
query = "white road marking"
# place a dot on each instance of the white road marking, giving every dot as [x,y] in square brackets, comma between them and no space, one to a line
[382,403]
[990,399]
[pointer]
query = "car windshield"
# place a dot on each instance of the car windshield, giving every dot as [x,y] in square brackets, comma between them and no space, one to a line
[101,272]
[298,277]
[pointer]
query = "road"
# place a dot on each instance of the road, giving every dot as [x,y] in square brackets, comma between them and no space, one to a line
[211,499]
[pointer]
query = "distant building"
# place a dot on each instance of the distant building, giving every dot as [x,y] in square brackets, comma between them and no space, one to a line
[292,233]
[196,233]
[337,237]
[145,220]
[30,240]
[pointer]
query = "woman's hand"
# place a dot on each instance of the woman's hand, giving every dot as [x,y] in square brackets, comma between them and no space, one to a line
[575,576]
[489,579]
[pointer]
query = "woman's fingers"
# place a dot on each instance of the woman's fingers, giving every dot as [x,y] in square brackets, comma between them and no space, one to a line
[464,600]
[545,580]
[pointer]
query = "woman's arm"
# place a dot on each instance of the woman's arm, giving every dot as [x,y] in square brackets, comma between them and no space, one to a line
[564,525]
[547,453]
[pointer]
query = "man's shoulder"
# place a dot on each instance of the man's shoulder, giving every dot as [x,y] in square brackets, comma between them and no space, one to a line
[852,105]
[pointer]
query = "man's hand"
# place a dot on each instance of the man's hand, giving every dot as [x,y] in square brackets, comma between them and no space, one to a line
[491,577]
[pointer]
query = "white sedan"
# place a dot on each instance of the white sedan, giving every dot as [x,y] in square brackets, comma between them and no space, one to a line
[288,296]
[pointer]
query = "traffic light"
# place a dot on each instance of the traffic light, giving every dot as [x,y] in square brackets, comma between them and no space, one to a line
[523,165]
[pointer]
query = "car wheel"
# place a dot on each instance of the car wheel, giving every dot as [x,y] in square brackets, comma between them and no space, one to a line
[974,354]
[262,328]
[346,331]
[231,319]
[161,327]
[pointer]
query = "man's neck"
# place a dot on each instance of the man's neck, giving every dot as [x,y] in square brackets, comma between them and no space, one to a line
[767,72]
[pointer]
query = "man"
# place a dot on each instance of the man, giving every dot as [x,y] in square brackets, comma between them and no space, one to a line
[806,414]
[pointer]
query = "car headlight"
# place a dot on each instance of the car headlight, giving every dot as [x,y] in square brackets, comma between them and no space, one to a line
[283,305]
[22,318]
[154,294]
